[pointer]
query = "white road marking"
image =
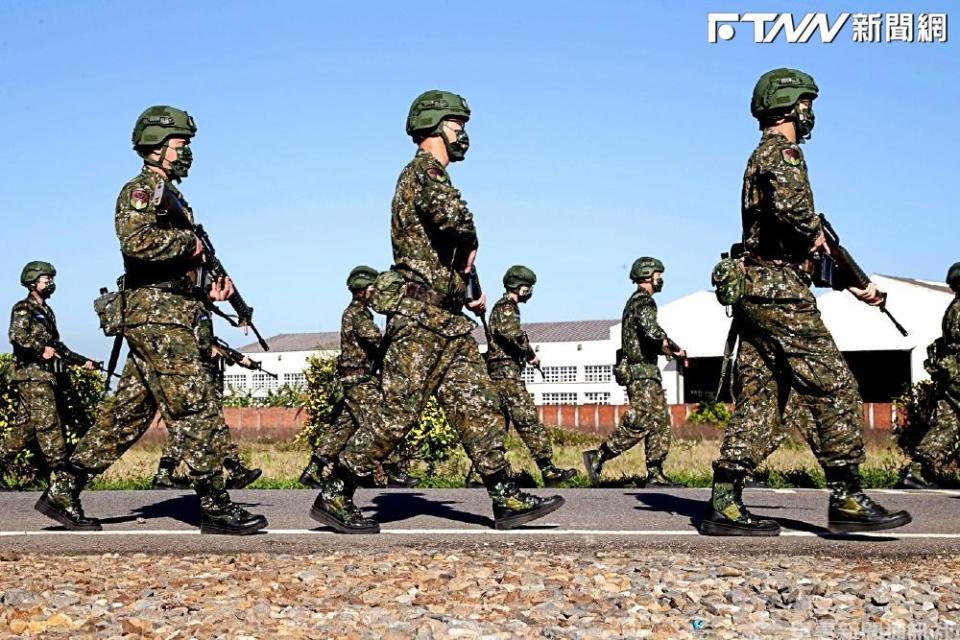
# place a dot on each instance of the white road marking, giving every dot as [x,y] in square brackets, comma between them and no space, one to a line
[479,532]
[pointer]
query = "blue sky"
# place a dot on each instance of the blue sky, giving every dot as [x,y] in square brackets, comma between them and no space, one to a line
[601,132]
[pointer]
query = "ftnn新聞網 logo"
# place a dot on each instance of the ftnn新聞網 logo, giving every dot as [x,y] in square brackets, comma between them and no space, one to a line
[864,27]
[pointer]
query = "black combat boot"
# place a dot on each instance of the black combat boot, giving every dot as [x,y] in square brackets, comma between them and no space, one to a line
[239,476]
[334,505]
[726,514]
[315,471]
[512,507]
[219,514]
[656,478]
[552,474]
[594,460]
[397,478]
[61,500]
[851,509]
[913,477]
[164,478]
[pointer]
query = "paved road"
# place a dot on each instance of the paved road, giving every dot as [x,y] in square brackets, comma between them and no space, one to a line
[165,522]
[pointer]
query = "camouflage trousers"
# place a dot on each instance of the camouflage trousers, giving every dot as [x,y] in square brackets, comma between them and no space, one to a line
[223,445]
[519,410]
[360,399]
[940,445]
[789,369]
[419,363]
[37,417]
[164,372]
[646,420]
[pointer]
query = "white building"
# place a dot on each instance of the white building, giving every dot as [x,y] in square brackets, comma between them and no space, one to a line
[578,356]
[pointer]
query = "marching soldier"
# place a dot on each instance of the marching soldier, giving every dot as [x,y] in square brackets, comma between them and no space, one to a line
[786,353]
[162,305]
[37,350]
[358,370]
[644,340]
[508,351]
[430,349]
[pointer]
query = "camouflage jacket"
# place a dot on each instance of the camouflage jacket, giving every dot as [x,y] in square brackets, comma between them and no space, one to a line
[153,224]
[951,327]
[359,341]
[642,336]
[432,231]
[33,326]
[780,223]
[508,347]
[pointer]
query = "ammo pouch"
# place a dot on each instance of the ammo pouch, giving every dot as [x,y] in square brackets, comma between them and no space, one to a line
[388,289]
[621,370]
[729,281]
[110,307]
[942,365]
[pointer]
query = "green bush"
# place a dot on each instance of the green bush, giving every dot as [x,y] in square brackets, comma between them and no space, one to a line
[286,396]
[711,413]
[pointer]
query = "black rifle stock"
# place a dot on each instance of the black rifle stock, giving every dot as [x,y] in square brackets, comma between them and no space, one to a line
[839,271]
[215,269]
[232,356]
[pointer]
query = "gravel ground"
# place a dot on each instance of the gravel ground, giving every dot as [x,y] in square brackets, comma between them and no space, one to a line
[479,591]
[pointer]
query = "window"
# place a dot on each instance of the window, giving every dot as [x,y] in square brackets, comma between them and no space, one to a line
[560,374]
[263,381]
[560,398]
[295,379]
[598,373]
[596,397]
[236,381]
[529,375]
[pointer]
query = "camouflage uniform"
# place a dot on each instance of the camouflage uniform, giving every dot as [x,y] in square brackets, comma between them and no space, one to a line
[356,368]
[430,349]
[939,446]
[33,326]
[647,418]
[507,352]
[785,348]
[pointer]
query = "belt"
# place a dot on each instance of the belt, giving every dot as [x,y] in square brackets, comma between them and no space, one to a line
[426,295]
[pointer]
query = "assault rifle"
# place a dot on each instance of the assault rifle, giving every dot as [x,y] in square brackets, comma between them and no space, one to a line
[232,356]
[839,271]
[212,268]
[474,293]
[68,357]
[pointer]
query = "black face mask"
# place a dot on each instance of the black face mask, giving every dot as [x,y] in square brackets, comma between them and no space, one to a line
[658,285]
[180,167]
[47,291]
[804,122]
[456,150]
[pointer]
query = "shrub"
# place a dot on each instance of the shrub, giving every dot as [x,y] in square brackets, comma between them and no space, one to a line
[711,413]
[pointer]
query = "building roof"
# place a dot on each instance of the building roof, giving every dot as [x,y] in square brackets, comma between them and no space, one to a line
[324,341]
[935,286]
[568,331]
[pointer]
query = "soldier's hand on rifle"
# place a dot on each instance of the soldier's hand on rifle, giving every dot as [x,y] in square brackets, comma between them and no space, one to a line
[49,353]
[197,249]
[535,363]
[471,257]
[820,245]
[90,365]
[870,295]
[221,289]
[478,307]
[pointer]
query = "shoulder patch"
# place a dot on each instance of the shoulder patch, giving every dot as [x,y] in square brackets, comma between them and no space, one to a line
[139,198]
[437,175]
[157,193]
[791,156]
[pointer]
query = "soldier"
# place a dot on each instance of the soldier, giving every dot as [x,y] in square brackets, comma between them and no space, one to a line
[643,342]
[358,369]
[786,353]
[237,475]
[36,352]
[430,350]
[940,444]
[508,350]
[163,304]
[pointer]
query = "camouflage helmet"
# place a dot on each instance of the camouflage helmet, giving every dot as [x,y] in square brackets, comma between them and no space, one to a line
[34,269]
[779,90]
[518,276]
[953,276]
[644,268]
[158,123]
[431,108]
[361,277]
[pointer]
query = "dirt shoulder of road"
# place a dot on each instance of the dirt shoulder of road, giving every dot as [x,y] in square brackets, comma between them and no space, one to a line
[476,591]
